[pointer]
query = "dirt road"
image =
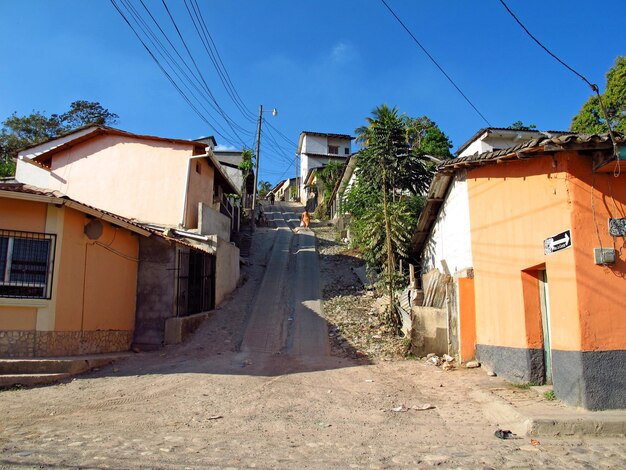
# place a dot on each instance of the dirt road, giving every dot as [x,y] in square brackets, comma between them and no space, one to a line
[257,387]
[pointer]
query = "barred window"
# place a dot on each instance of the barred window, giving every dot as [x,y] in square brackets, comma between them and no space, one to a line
[26,262]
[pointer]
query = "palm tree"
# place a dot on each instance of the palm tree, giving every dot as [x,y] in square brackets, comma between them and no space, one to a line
[386,147]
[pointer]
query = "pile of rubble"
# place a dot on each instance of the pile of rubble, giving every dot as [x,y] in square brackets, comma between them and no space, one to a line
[355,329]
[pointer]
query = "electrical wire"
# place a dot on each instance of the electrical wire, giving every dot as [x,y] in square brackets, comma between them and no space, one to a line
[435,62]
[219,108]
[209,44]
[177,76]
[174,64]
[593,86]
[164,71]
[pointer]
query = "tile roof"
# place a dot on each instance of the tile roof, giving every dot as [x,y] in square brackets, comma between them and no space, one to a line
[541,143]
[505,129]
[130,224]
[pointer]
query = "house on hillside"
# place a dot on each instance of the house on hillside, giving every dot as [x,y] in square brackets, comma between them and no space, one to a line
[315,150]
[230,161]
[171,186]
[69,275]
[342,187]
[528,240]
[287,190]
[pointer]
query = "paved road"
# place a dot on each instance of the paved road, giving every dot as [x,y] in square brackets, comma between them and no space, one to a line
[286,316]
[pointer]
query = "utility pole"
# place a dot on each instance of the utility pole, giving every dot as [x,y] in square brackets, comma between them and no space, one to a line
[256,172]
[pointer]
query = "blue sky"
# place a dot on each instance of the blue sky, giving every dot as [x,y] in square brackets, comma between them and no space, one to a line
[323,64]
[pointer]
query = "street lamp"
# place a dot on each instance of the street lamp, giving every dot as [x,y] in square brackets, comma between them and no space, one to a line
[258,157]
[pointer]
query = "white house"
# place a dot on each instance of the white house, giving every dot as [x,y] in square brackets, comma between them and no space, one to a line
[316,149]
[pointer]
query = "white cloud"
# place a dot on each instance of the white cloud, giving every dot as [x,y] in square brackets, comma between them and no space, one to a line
[225,147]
[342,52]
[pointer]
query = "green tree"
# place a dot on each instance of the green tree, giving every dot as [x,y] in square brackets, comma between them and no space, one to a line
[424,136]
[386,159]
[82,113]
[520,126]
[327,178]
[264,188]
[590,119]
[25,131]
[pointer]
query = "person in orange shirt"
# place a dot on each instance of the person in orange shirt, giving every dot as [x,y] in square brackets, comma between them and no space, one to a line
[305,218]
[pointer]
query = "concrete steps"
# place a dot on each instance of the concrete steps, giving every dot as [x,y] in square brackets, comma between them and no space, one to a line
[41,371]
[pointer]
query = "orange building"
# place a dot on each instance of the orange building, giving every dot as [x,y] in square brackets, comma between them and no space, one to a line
[548,223]
[68,275]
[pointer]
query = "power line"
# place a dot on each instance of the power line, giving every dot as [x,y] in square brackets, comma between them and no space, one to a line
[435,62]
[184,79]
[173,64]
[593,86]
[219,108]
[211,49]
[167,75]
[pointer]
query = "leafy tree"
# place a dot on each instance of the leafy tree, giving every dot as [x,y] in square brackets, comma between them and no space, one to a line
[326,180]
[264,188]
[25,131]
[424,136]
[7,167]
[520,126]
[387,155]
[590,119]
[82,113]
[393,170]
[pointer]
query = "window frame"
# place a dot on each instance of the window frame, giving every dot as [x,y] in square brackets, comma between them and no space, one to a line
[333,147]
[8,255]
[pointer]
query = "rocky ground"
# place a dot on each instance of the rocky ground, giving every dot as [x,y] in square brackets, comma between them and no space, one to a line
[354,324]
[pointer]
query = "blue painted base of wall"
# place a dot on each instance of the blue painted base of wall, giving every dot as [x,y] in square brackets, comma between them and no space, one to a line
[595,380]
[518,365]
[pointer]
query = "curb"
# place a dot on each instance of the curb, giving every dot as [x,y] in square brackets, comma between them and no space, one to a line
[563,422]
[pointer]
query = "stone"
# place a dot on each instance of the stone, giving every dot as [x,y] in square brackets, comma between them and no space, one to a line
[472,364]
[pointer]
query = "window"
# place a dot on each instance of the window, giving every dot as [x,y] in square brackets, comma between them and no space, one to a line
[26,261]
[333,149]
[346,151]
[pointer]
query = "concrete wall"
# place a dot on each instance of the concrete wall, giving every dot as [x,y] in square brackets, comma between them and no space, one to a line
[131,177]
[28,173]
[200,190]
[213,222]
[156,290]
[227,270]
[430,331]
[450,238]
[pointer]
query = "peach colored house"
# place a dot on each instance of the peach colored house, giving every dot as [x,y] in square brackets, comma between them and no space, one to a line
[171,186]
[68,275]
[546,295]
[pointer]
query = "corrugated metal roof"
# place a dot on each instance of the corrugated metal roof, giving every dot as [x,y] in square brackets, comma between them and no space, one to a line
[324,134]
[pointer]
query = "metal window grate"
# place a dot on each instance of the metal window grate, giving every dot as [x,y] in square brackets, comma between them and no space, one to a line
[195,283]
[26,262]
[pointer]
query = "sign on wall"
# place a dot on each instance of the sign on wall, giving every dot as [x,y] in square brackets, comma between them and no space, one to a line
[557,242]
[617,227]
